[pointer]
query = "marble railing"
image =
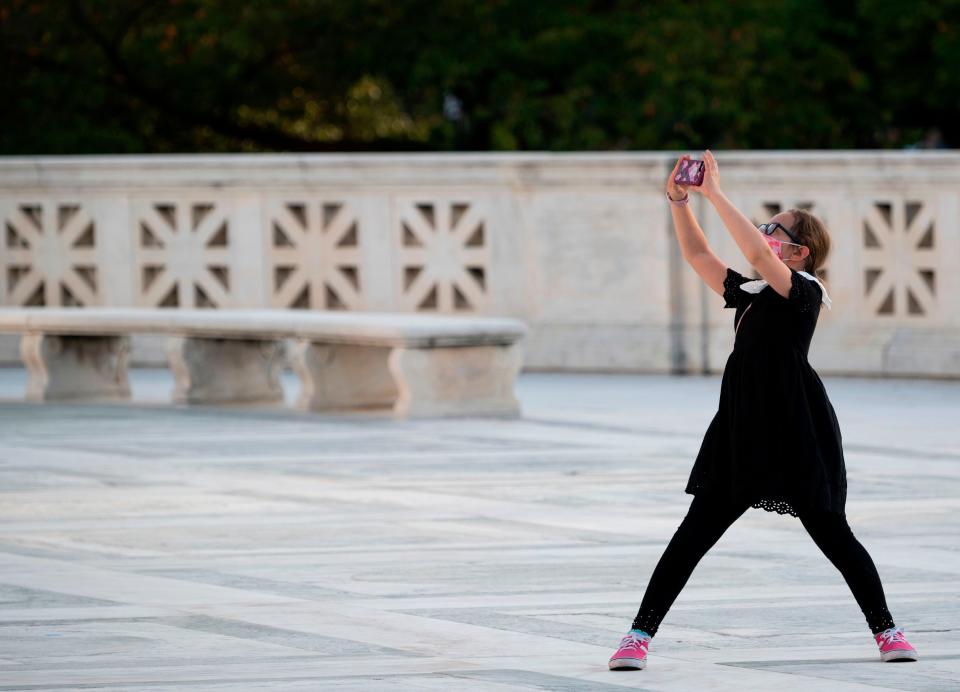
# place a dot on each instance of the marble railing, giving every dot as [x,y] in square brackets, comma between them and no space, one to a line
[580,246]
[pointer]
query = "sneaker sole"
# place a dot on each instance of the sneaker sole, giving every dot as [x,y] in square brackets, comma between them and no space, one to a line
[902,655]
[632,663]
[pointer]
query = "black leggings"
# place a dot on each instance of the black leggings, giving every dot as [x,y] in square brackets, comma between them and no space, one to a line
[707,520]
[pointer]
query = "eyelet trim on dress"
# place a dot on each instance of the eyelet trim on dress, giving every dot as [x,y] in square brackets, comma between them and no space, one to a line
[731,281]
[778,506]
[807,296]
[767,504]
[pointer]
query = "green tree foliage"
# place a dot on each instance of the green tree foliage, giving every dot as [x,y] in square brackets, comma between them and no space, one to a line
[88,76]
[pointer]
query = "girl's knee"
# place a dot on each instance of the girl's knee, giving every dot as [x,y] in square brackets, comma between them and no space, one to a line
[823,523]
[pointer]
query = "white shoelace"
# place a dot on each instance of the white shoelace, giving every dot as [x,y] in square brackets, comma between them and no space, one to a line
[894,634]
[631,640]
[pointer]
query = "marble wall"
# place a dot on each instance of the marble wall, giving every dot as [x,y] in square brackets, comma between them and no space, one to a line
[580,245]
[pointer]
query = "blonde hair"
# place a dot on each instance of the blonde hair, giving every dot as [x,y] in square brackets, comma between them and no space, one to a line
[813,233]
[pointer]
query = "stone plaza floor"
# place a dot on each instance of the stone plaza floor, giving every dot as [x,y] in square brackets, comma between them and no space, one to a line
[152,547]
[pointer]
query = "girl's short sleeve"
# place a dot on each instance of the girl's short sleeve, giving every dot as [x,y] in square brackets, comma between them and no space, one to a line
[732,295]
[805,294]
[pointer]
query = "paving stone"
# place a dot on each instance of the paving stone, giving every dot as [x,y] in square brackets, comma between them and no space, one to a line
[155,547]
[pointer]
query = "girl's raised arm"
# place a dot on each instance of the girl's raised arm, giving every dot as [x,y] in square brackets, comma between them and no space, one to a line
[693,243]
[750,241]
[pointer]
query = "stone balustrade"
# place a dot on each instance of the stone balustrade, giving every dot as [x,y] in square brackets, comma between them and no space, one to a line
[580,246]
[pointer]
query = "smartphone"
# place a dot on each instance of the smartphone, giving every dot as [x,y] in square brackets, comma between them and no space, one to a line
[689,173]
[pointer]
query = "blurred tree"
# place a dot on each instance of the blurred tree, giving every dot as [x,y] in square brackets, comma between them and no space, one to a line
[86,76]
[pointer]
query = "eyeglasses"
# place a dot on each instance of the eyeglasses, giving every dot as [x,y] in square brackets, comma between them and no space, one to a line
[769,228]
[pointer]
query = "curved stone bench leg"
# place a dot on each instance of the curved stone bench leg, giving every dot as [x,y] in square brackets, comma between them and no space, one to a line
[463,380]
[69,367]
[226,371]
[336,377]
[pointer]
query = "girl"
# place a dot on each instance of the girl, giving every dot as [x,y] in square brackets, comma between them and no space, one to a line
[774,443]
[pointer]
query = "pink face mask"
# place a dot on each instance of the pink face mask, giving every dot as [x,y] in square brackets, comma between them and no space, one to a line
[777,246]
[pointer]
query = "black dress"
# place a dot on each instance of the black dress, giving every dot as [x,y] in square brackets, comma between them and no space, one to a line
[775,440]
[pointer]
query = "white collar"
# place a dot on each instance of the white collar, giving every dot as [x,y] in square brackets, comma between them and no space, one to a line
[760,284]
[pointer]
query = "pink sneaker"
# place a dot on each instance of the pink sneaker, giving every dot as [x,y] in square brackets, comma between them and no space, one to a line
[632,652]
[894,646]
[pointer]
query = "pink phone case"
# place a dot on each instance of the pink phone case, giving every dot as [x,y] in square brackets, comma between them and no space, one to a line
[689,173]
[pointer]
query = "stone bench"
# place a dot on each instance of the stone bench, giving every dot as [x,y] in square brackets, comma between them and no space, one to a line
[411,364]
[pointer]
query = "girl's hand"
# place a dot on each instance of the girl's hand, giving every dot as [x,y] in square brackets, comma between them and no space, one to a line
[676,192]
[711,177]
